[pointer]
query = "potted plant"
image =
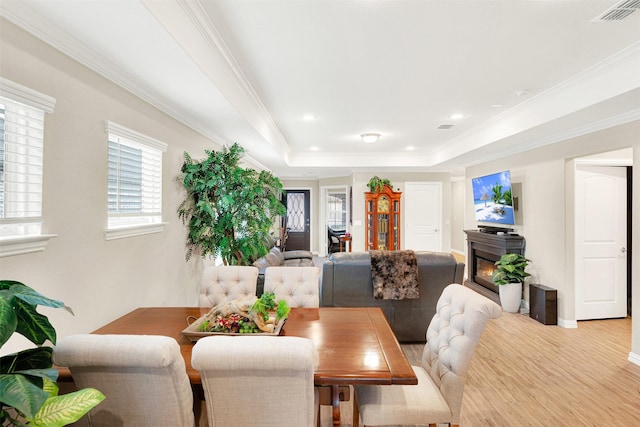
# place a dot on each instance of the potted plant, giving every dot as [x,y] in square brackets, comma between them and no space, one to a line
[376,184]
[28,389]
[509,275]
[230,210]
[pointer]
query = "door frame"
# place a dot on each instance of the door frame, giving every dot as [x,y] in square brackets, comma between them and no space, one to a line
[322,223]
[629,167]
[312,218]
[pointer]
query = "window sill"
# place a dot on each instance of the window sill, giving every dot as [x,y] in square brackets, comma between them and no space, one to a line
[136,230]
[19,245]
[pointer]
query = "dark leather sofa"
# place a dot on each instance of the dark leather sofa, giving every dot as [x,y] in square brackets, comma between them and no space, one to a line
[346,282]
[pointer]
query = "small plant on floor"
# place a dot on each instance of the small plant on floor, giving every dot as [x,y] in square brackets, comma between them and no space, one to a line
[28,389]
[510,269]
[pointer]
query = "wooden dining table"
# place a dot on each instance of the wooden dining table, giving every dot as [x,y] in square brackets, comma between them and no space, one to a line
[355,346]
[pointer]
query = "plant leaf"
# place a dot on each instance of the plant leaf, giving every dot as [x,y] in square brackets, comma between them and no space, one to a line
[33,325]
[31,358]
[66,409]
[33,297]
[18,392]
[8,315]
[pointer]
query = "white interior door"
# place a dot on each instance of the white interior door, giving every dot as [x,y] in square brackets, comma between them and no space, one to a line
[601,229]
[422,216]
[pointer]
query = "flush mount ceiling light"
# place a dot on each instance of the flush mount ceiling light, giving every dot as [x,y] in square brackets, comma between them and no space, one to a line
[457,116]
[370,138]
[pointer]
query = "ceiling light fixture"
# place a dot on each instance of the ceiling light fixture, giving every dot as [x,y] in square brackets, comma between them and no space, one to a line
[370,138]
[309,117]
[457,116]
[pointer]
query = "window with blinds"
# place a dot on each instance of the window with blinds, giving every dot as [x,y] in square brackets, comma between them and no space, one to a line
[134,195]
[21,162]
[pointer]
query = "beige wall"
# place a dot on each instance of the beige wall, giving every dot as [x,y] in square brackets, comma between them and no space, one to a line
[100,280]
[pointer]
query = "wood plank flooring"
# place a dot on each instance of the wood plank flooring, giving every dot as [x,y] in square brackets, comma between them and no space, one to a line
[527,374]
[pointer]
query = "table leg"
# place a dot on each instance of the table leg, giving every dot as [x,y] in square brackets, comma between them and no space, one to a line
[335,398]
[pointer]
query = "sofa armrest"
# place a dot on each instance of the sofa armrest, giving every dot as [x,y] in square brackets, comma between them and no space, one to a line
[326,297]
[459,273]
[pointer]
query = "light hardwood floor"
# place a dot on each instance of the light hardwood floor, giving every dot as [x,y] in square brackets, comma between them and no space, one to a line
[527,374]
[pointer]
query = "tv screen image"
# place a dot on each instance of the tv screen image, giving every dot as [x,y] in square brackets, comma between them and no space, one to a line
[492,198]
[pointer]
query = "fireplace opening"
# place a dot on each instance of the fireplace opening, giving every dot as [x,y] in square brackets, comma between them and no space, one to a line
[484,269]
[484,249]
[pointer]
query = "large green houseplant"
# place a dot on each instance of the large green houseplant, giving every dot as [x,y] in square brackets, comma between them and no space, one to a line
[28,389]
[229,209]
[509,275]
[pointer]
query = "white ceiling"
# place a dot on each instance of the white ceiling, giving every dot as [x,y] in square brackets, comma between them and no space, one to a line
[248,71]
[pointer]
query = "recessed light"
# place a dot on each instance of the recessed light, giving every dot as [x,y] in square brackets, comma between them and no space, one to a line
[522,92]
[370,138]
[497,105]
[309,117]
[411,148]
[457,116]
[314,148]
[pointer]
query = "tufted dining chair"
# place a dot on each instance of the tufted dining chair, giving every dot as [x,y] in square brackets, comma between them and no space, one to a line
[298,286]
[257,380]
[453,333]
[222,283]
[143,378]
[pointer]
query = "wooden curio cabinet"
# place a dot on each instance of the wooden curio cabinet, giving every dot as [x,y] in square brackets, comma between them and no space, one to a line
[383,220]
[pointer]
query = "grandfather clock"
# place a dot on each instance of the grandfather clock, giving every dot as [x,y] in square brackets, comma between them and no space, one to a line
[383,220]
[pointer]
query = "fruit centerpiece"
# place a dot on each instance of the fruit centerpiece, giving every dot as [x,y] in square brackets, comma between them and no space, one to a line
[245,316]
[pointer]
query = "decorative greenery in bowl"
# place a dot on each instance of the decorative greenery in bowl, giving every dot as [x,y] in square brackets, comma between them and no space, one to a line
[246,316]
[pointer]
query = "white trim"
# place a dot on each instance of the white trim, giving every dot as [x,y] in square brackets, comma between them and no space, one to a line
[569,324]
[132,135]
[136,230]
[19,93]
[604,162]
[634,358]
[24,244]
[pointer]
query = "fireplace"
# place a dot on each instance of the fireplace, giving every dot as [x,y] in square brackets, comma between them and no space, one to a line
[483,250]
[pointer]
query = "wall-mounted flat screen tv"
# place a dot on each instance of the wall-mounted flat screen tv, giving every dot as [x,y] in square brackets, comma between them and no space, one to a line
[492,198]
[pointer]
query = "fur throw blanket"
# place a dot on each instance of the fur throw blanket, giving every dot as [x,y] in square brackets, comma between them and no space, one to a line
[394,274]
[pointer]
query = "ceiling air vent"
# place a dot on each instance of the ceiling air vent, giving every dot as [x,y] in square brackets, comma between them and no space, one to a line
[444,127]
[619,11]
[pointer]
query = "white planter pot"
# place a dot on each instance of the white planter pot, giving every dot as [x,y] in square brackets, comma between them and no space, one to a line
[510,296]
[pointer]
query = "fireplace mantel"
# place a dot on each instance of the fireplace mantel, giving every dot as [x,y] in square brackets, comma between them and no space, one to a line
[483,250]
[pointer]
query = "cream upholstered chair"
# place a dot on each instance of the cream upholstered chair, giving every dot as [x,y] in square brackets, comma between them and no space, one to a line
[143,378]
[253,381]
[452,335]
[219,284]
[298,286]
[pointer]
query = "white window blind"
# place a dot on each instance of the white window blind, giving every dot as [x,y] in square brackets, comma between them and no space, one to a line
[21,168]
[134,178]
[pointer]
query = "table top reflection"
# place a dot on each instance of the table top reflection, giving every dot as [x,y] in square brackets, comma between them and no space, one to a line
[355,345]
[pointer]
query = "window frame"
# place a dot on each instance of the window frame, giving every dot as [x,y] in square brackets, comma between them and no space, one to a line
[135,139]
[26,242]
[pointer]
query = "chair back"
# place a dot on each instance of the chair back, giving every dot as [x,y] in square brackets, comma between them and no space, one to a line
[220,284]
[143,378]
[453,333]
[298,286]
[257,380]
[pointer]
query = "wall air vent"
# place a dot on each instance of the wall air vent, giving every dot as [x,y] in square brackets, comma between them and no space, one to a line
[444,127]
[619,11]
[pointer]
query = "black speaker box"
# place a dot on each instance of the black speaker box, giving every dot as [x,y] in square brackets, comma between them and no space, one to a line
[543,304]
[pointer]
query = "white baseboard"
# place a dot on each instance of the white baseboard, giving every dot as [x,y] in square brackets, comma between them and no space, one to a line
[634,358]
[569,324]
